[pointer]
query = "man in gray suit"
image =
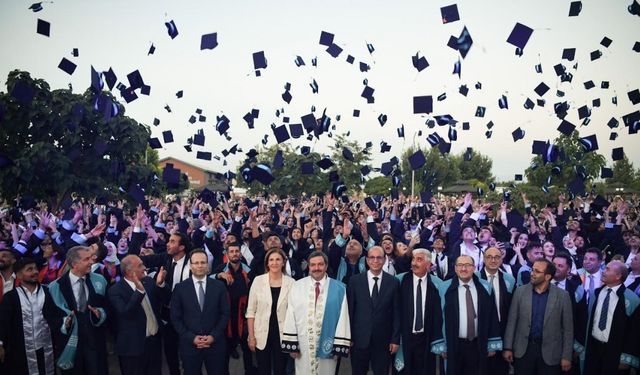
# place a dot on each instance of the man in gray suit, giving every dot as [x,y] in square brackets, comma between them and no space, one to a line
[539,330]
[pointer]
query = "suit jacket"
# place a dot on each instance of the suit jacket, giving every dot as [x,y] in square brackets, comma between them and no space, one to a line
[433,320]
[260,303]
[573,286]
[557,333]
[189,321]
[488,327]
[131,319]
[379,322]
[505,296]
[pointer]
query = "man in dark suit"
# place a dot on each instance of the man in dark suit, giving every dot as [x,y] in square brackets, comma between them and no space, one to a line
[374,309]
[421,317]
[136,300]
[471,321]
[614,325]
[80,296]
[540,326]
[199,313]
[176,262]
[502,285]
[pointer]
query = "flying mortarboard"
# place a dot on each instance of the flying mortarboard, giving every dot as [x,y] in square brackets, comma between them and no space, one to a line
[450,13]
[171,29]
[306,168]
[417,160]
[566,128]
[569,54]
[606,172]
[617,153]
[464,90]
[575,8]
[589,143]
[595,55]
[420,63]
[541,89]
[259,60]
[167,136]
[203,155]
[520,35]
[422,104]
[209,41]
[67,66]
[43,28]
[517,134]
[634,96]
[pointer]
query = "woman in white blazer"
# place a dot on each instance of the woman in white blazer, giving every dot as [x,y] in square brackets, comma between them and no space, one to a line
[266,311]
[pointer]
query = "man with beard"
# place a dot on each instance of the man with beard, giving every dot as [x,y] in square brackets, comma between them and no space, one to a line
[7,276]
[342,268]
[539,332]
[26,313]
[235,276]
[317,328]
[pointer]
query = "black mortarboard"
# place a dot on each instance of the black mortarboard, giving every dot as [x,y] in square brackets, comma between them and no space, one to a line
[589,143]
[417,160]
[464,90]
[137,194]
[296,130]
[400,131]
[442,96]
[171,29]
[43,28]
[520,35]
[198,138]
[468,154]
[364,67]
[350,59]
[606,172]
[515,219]
[422,104]
[286,96]
[209,41]
[529,104]
[518,177]
[171,176]
[569,54]
[306,168]
[575,8]
[450,13]
[305,150]
[583,112]
[347,154]
[576,186]
[452,134]
[384,147]
[334,50]
[67,66]
[208,196]
[371,203]
[566,128]
[167,136]
[613,136]
[222,124]
[326,39]
[325,163]
[259,60]
[595,55]
[636,47]
[356,113]
[420,63]
[517,134]
[589,85]
[480,111]
[382,119]
[152,50]
[617,153]
[367,93]
[154,143]
[465,126]
[595,102]
[281,133]
[262,173]
[278,160]
[634,96]
[36,7]
[538,147]
[605,42]
[444,147]
[541,89]
[386,168]
[503,102]
[365,170]
[203,155]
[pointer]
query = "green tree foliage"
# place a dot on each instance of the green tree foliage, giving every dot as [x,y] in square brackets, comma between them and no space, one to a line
[478,168]
[54,144]
[623,172]
[438,170]
[349,171]
[574,158]
[378,186]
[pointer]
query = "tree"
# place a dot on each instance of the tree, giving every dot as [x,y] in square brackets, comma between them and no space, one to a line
[571,161]
[378,186]
[478,168]
[349,171]
[623,172]
[438,170]
[55,142]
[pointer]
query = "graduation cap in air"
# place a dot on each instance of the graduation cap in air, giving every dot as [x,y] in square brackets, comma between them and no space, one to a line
[334,50]
[589,85]
[569,54]
[584,112]
[566,128]
[417,160]
[23,92]
[617,153]
[606,172]
[422,104]
[541,89]
[420,63]
[400,131]
[306,168]
[367,93]
[634,96]
[67,66]
[325,163]
[137,194]
[259,60]
[457,68]
[347,154]
[589,143]
[503,103]
[463,43]
[43,27]
[520,35]
[167,136]
[281,133]
[449,13]
[209,41]
[36,7]
[171,176]
[452,134]
[262,173]
[517,134]
[575,8]
[202,155]
[172,30]
[154,143]
[314,87]
[384,147]
[464,90]
[595,55]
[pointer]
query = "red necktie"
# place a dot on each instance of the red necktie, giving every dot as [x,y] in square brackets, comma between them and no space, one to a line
[317,291]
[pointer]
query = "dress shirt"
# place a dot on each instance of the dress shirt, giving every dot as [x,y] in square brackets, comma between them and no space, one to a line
[424,298]
[630,279]
[474,253]
[538,307]
[197,287]
[370,277]
[75,286]
[7,285]
[495,287]
[388,266]
[177,271]
[603,335]
[630,258]
[152,323]
[35,318]
[562,284]
[462,310]
[597,280]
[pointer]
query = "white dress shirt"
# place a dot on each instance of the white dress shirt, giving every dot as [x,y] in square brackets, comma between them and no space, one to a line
[370,277]
[197,287]
[630,279]
[495,287]
[179,271]
[462,311]
[7,285]
[603,336]
[424,298]
[75,286]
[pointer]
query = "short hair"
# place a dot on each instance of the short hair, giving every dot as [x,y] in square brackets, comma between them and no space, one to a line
[425,252]
[102,252]
[21,263]
[184,241]
[316,254]
[73,254]
[594,250]
[268,234]
[473,261]
[234,244]
[624,272]
[275,250]
[376,247]
[125,264]
[533,245]
[551,268]
[198,251]
[566,257]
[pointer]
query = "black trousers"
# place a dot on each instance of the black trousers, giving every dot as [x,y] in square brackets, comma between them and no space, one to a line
[595,363]
[148,363]
[496,365]
[376,354]
[419,363]
[212,358]
[88,362]
[170,342]
[467,358]
[532,362]
[272,359]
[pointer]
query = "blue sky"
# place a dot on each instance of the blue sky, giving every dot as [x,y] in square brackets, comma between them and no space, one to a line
[118,34]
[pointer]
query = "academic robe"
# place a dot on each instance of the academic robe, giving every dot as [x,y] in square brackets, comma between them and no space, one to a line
[317,330]
[18,360]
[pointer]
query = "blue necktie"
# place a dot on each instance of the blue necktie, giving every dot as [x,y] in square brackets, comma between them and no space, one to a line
[201,296]
[592,291]
[602,323]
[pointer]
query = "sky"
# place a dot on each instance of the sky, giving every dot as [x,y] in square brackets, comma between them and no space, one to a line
[117,34]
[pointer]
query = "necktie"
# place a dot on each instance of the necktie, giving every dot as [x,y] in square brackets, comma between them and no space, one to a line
[376,291]
[592,291]
[152,323]
[82,296]
[419,319]
[317,291]
[491,278]
[170,274]
[201,295]
[602,323]
[471,315]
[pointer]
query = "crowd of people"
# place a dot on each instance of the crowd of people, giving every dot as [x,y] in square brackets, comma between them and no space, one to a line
[454,285]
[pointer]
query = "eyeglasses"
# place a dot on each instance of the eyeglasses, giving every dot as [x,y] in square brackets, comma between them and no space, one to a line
[465,265]
[493,257]
[379,259]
